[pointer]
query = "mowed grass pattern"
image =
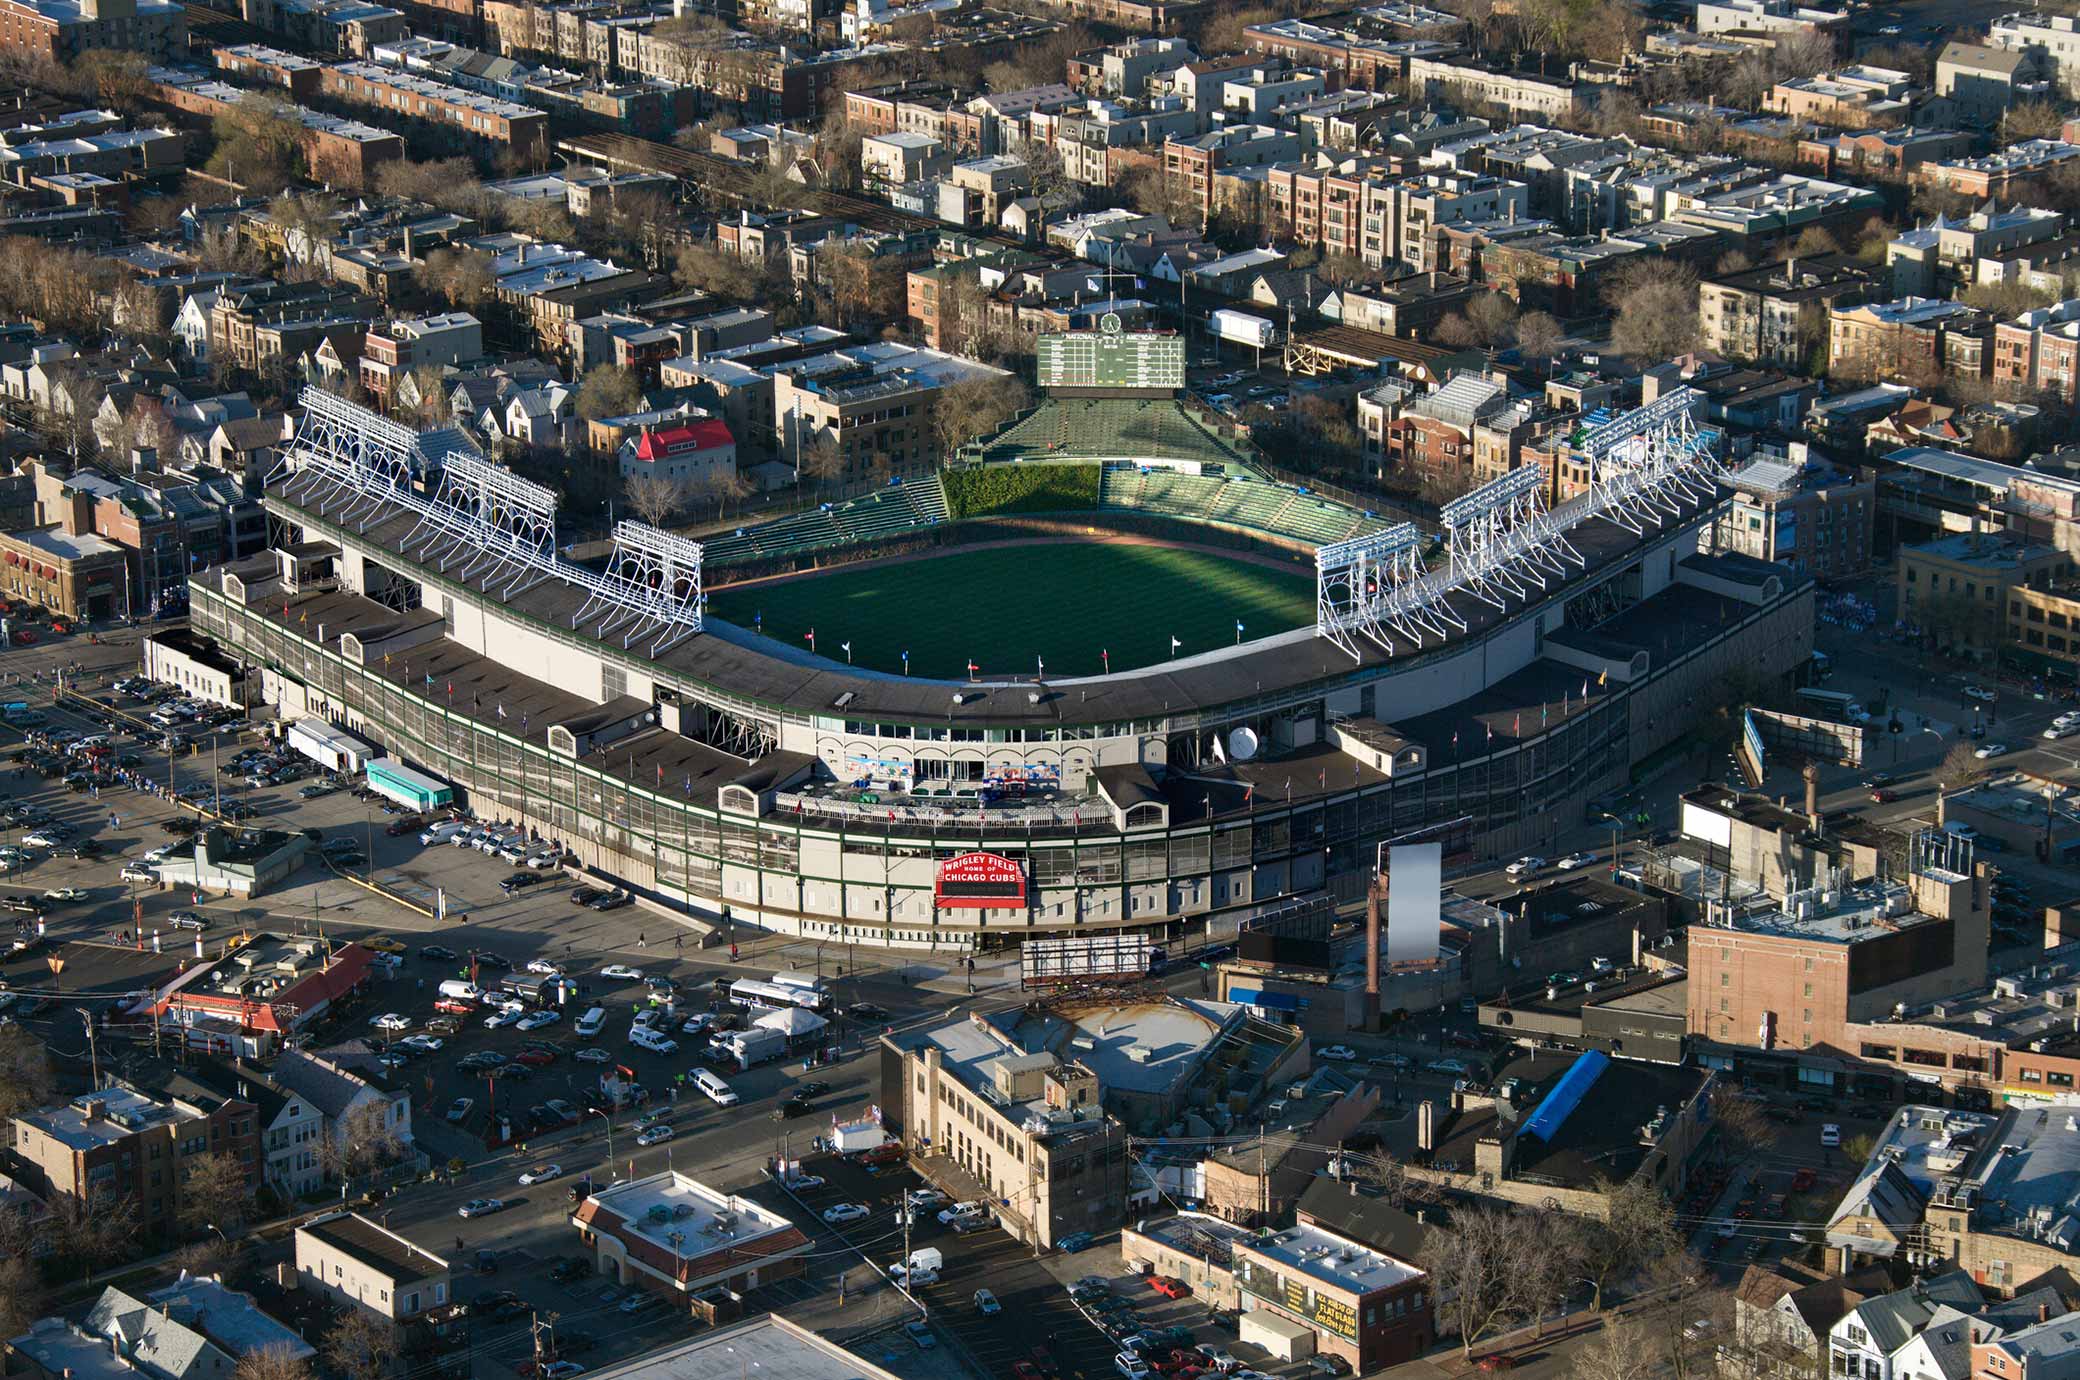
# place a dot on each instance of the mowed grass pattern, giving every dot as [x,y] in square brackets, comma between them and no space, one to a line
[1064,602]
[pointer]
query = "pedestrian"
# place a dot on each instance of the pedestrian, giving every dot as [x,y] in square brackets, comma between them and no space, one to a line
[641,941]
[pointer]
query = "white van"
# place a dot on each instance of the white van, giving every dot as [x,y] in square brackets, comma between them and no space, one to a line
[589,1023]
[462,991]
[718,1091]
[444,831]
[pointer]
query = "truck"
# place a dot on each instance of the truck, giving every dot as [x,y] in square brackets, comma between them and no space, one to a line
[757,1045]
[857,1137]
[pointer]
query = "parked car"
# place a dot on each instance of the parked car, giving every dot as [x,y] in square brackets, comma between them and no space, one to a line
[460,1108]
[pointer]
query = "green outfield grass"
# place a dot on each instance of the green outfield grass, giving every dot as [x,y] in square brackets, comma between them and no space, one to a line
[1065,602]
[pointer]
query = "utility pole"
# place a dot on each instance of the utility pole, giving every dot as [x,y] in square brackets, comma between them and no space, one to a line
[93,1052]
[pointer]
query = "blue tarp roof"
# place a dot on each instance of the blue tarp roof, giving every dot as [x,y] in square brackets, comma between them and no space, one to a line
[1567,1094]
[1270,1001]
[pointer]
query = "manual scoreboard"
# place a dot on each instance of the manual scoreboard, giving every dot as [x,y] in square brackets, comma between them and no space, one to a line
[1111,358]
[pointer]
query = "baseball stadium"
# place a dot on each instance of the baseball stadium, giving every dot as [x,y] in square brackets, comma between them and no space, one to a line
[1102,672]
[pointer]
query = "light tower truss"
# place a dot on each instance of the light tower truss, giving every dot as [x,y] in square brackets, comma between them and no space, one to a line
[651,589]
[1648,464]
[359,457]
[1374,587]
[489,521]
[483,521]
[1503,543]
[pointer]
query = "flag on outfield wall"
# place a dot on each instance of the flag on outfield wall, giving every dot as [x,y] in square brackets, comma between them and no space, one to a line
[1174,645]
[973,669]
[501,709]
[1106,657]
[810,637]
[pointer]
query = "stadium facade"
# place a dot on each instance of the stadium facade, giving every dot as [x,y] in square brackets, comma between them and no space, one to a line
[727,775]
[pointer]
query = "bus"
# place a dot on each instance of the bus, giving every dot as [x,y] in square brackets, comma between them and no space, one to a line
[804,982]
[752,995]
[1833,704]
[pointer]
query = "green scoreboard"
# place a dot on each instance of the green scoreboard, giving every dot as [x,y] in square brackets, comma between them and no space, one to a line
[1111,358]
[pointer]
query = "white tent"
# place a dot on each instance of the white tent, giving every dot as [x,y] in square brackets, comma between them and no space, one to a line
[793,1022]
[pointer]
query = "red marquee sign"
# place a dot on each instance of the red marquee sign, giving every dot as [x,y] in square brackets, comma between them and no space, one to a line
[981,881]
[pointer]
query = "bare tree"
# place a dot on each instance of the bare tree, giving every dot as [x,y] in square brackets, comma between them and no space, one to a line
[364,1142]
[1655,306]
[1621,1350]
[214,1193]
[608,390]
[275,1362]
[1474,1272]
[360,1346]
[1960,769]
[1740,1125]
[821,460]
[1538,335]
[655,497]
[21,1293]
[1637,1226]
[87,1235]
[1493,318]
[976,406]
[1549,1255]
[1391,1178]
[1682,1295]
[25,1073]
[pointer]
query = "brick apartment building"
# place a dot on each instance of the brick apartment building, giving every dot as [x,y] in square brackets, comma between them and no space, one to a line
[341,153]
[61,30]
[506,125]
[1775,979]
[1777,313]
[2039,351]
[124,1144]
[394,349]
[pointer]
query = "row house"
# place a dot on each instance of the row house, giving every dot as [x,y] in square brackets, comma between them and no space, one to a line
[1777,313]
[2039,351]
[401,345]
[1191,166]
[1461,435]
[1944,254]
[2003,174]
[339,152]
[505,124]
[1888,153]
[253,326]
[1907,338]
[352,28]
[1354,59]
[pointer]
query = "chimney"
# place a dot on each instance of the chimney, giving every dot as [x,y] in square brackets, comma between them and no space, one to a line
[1426,1125]
[2043,1312]
[1812,776]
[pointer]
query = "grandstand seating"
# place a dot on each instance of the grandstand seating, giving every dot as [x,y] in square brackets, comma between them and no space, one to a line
[883,513]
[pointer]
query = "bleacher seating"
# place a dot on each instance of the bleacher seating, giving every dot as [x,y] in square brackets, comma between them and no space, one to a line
[1107,429]
[1258,505]
[884,513]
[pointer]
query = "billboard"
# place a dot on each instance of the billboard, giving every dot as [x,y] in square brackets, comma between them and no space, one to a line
[1111,358]
[1415,901]
[1085,958]
[981,881]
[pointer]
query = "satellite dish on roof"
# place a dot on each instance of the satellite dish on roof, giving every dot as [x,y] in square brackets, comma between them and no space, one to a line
[1242,744]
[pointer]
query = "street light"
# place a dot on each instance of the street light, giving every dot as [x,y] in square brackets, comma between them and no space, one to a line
[610,1137]
[1617,827]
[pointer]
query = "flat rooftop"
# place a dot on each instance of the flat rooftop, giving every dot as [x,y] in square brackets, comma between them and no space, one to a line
[384,1251]
[1596,1137]
[1148,1046]
[686,1218]
[1868,910]
[1333,1260]
[121,1113]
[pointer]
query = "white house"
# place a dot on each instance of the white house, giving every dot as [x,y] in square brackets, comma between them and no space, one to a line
[191,326]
